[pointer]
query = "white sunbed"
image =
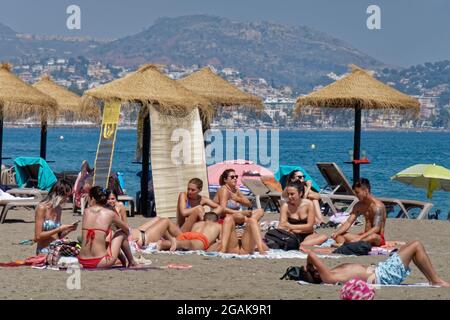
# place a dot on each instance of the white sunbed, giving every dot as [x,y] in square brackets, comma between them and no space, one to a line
[338,189]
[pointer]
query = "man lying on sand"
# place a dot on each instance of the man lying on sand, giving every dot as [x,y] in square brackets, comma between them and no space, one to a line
[374,213]
[203,234]
[393,271]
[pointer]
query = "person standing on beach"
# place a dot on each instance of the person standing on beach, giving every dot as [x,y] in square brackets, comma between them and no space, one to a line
[374,213]
[48,225]
[232,200]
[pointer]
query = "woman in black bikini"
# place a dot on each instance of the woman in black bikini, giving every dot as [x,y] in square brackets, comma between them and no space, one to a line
[297,216]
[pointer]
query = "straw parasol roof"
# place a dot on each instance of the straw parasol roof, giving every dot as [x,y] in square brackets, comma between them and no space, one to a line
[149,86]
[68,102]
[358,89]
[217,90]
[19,99]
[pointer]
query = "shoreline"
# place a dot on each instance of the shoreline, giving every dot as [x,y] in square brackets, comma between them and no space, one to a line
[128,127]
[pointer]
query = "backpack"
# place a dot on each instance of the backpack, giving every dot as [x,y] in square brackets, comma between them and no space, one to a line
[281,239]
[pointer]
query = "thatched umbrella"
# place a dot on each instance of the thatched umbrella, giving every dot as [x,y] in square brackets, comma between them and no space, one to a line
[148,86]
[219,92]
[69,105]
[19,99]
[358,90]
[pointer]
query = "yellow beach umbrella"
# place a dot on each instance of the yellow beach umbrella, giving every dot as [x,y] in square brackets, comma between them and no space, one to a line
[426,176]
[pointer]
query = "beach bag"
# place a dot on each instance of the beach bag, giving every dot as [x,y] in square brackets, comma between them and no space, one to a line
[281,239]
[62,248]
[360,248]
[294,273]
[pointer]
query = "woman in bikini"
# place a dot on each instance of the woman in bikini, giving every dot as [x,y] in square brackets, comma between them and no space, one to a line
[298,176]
[297,216]
[156,230]
[48,225]
[190,208]
[231,199]
[97,224]
[251,238]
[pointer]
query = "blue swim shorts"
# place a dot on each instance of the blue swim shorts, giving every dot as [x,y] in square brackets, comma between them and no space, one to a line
[391,271]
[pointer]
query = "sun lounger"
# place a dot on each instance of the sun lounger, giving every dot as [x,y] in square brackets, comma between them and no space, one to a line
[8,204]
[262,192]
[338,189]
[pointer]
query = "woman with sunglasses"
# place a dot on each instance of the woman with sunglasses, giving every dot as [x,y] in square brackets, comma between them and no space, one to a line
[232,200]
[48,226]
[298,176]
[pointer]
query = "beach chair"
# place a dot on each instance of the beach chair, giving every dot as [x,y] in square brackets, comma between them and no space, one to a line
[8,204]
[339,191]
[262,192]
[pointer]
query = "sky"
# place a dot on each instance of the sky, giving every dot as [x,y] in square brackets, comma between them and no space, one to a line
[412,31]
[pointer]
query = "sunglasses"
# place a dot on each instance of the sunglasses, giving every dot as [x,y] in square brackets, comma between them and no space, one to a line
[233,177]
[299,177]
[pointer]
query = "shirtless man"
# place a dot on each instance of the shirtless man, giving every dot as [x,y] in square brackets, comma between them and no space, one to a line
[203,234]
[392,271]
[374,213]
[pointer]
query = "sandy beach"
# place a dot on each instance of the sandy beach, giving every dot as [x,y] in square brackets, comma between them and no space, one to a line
[209,277]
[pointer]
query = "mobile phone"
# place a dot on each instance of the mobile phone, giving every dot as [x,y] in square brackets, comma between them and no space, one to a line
[76,222]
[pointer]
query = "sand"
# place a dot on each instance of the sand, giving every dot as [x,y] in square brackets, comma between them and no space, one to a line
[209,277]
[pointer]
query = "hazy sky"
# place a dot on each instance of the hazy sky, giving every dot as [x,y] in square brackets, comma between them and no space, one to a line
[412,31]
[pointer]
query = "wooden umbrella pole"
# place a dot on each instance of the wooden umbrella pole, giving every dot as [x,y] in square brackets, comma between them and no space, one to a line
[1,135]
[43,153]
[145,165]
[357,142]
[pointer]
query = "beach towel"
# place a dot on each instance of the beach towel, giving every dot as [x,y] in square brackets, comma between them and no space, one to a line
[379,286]
[271,254]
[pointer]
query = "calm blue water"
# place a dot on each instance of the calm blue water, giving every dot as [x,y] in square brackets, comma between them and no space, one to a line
[389,152]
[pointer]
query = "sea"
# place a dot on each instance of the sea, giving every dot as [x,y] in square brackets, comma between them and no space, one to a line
[388,151]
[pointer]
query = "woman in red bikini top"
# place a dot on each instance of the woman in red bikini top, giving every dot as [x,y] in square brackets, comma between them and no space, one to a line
[96,226]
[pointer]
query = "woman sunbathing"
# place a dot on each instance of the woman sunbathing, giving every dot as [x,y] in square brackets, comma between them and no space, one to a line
[152,231]
[297,216]
[48,225]
[232,200]
[298,176]
[190,208]
[97,224]
[230,242]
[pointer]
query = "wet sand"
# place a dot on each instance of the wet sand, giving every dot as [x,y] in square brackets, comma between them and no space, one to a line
[209,277]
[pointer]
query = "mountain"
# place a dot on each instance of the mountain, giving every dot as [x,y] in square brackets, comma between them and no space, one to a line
[296,56]
[6,32]
[21,48]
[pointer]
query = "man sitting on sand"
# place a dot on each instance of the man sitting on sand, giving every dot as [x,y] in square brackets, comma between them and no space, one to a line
[374,213]
[392,271]
[203,234]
